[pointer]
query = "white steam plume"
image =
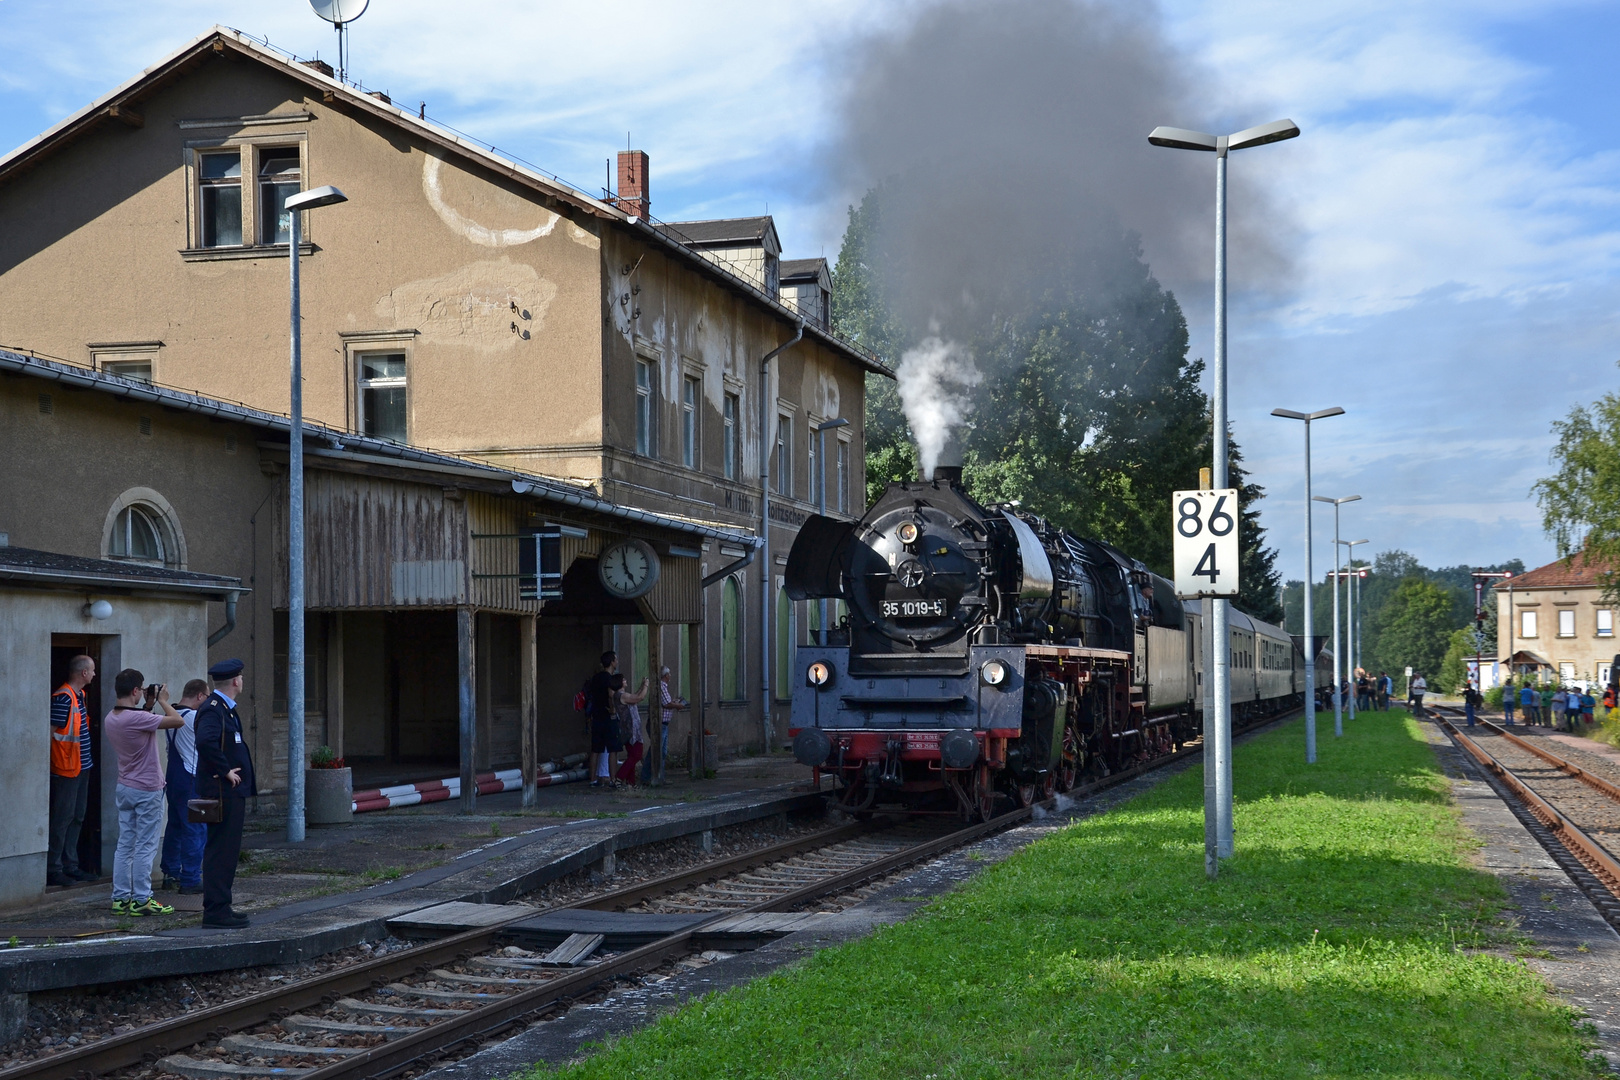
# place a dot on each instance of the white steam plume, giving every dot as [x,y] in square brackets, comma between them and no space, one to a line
[932,379]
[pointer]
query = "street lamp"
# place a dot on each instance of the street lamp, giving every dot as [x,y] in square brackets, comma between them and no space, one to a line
[1338,698]
[305,200]
[1220,145]
[1352,652]
[821,488]
[1309,625]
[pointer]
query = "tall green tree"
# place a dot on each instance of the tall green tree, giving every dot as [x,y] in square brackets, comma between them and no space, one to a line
[1414,628]
[1580,502]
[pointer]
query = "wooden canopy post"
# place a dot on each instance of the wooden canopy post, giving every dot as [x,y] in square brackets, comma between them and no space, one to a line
[529,714]
[654,726]
[467,680]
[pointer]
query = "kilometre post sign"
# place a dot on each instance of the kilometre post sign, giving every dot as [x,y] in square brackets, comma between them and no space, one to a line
[1204,526]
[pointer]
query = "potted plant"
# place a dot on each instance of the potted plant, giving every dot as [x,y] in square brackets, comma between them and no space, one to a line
[328,789]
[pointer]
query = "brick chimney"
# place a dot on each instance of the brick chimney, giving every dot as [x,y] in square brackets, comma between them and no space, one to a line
[635,193]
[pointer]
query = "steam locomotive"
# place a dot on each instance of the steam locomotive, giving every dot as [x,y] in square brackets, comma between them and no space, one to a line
[989,657]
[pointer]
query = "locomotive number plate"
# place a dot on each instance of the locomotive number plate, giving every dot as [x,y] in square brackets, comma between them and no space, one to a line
[903,609]
[922,740]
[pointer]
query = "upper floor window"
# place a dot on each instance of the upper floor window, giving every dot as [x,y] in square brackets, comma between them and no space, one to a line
[279,180]
[1605,622]
[810,445]
[843,477]
[645,441]
[784,454]
[130,361]
[690,396]
[728,449]
[1527,624]
[1566,622]
[382,395]
[219,179]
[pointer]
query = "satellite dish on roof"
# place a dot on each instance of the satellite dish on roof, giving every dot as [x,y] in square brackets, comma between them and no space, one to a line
[340,13]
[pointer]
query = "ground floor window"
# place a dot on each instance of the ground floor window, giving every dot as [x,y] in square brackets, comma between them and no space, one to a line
[784,646]
[731,659]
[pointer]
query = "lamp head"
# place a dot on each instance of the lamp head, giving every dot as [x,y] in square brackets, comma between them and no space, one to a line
[1276,131]
[837,422]
[315,198]
[1182,139]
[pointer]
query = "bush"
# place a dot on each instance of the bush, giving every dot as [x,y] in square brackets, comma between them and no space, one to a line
[1493,697]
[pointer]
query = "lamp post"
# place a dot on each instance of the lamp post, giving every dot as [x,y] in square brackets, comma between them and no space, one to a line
[305,200]
[821,492]
[1221,145]
[1352,652]
[1338,698]
[1309,624]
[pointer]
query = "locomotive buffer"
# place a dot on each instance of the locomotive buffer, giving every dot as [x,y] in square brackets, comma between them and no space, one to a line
[1204,527]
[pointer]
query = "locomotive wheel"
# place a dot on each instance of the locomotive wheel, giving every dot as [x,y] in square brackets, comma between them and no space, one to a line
[1026,795]
[985,794]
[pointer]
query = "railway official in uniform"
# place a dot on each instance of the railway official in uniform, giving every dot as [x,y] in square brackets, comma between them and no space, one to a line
[225,772]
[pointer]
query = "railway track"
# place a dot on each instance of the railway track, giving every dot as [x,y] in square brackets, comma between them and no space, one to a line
[388,1015]
[383,1016]
[1581,855]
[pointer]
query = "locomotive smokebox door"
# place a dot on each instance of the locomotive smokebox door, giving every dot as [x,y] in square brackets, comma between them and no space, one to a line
[1204,526]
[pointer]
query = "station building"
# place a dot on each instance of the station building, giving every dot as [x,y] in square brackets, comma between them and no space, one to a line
[170,508]
[468,322]
[1553,622]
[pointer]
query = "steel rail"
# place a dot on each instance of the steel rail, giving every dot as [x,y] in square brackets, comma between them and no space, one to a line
[153,1041]
[1596,782]
[381,1061]
[1583,847]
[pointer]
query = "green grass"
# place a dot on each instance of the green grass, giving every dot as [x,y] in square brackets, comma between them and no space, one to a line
[1348,937]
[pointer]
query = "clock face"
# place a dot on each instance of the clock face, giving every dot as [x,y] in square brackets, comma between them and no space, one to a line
[629,569]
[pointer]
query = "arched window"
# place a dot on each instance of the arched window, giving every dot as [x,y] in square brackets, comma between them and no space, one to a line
[136,536]
[731,660]
[784,646]
[141,527]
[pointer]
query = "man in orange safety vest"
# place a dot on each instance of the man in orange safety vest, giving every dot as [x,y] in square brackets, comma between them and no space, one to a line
[70,773]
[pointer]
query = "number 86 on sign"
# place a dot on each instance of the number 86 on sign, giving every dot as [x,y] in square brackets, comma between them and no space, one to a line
[1203,525]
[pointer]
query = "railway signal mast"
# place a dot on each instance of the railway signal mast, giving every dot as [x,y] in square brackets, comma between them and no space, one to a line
[1221,146]
[1480,578]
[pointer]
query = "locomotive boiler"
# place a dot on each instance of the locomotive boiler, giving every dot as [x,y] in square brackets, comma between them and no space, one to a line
[990,657]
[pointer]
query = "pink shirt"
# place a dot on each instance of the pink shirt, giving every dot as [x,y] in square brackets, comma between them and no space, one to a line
[133,736]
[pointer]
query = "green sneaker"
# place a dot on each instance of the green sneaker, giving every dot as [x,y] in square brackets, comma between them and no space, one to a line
[149,906]
[121,907]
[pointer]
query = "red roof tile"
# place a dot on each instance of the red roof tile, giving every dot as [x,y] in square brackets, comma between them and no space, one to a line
[1573,573]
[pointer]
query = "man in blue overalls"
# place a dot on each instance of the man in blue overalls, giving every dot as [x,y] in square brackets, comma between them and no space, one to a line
[183,839]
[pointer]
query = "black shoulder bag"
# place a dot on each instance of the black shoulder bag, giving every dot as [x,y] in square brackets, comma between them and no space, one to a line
[209,811]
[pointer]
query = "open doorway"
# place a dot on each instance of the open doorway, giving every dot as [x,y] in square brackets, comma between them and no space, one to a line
[64,647]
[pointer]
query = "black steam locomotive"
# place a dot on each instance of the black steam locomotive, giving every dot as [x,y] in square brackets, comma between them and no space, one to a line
[988,656]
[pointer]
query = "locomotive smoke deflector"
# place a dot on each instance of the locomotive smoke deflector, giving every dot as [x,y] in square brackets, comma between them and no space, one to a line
[1037,576]
[816,562]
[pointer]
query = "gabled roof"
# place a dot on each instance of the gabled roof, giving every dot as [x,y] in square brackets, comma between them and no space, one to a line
[26,566]
[793,270]
[1572,573]
[724,231]
[121,105]
[330,443]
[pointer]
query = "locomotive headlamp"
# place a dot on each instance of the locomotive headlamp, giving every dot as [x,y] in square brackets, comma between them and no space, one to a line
[819,673]
[993,672]
[907,532]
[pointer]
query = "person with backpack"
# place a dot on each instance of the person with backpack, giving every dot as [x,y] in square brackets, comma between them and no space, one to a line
[1547,694]
[1530,704]
[598,701]
[1471,702]
[1560,708]
[1509,699]
[1588,707]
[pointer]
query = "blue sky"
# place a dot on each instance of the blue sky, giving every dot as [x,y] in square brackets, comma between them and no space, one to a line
[1456,194]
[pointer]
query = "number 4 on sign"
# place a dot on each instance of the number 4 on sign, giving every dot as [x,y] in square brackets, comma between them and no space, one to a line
[1205,538]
